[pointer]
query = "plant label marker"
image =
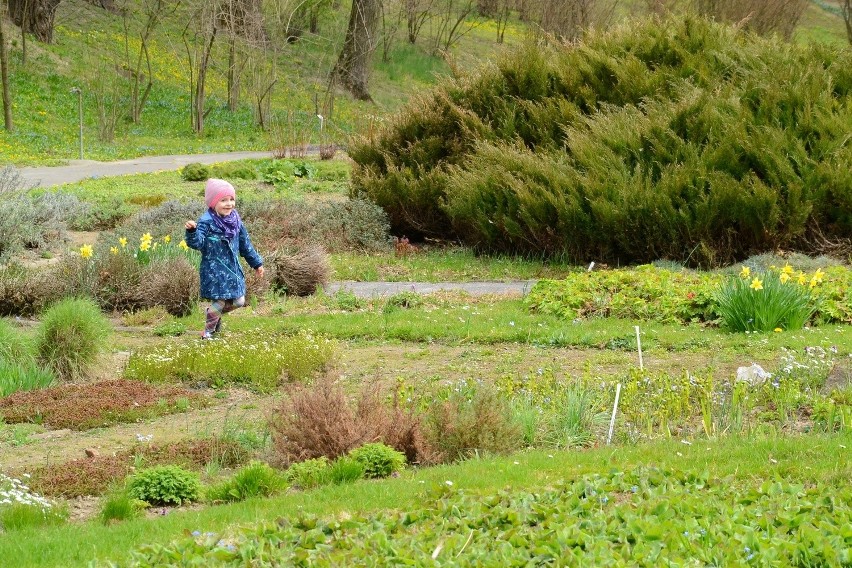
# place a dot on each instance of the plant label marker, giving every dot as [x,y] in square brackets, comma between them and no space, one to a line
[591,265]
[639,347]
[614,410]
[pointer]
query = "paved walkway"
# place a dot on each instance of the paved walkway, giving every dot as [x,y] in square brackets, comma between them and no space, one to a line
[382,289]
[78,170]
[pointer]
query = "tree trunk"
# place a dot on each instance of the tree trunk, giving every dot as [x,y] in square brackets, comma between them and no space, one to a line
[35,16]
[4,79]
[353,65]
[846,9]
[198,124]
[233,75]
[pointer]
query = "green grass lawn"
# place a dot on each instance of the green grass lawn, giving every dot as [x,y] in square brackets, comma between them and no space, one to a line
[751,461]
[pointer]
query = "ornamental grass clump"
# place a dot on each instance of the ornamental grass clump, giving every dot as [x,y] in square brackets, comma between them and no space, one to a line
[257,479]
[768,301]
[71,336]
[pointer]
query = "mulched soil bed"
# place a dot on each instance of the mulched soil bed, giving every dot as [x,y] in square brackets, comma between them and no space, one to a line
[85,406]
[94,475]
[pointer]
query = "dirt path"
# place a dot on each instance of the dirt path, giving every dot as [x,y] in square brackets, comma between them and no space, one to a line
[418,364]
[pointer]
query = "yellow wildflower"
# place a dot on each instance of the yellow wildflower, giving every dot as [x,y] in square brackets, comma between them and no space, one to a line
[144,246]
[146,238]
[183,245]
[784,278]
[788,270]
[123,242]
[756,284]
[801,278]
[86,251]
[818,276]
[814,282]
[113,250]
[167,239]
[777,330]
[745,272]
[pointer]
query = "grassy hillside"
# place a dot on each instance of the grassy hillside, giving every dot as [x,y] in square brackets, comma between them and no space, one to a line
[89,52]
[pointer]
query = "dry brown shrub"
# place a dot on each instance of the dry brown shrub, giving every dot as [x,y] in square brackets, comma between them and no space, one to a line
[172,284]
[93,476]
[26,291]
[300,273]
[84,406]
[319,420]
[467,424]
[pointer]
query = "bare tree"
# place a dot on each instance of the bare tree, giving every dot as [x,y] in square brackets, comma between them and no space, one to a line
[568,19]
[760,16]
[4,77]
[198,38]
[243,21]
[261,78]
[390,27]
[417,14]
[502,17]
[846,11]
[453,23]
[152,13]
[35,16]
[352,69]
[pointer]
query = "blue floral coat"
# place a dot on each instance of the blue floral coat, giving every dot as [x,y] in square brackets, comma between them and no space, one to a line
[222,277]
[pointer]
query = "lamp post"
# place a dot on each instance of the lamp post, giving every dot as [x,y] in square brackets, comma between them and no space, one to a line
[79,92]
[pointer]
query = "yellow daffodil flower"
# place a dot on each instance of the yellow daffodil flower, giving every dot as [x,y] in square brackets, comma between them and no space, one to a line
[813,283]
[777,330]
[113,250]
[745,272]
[183,245]
[818,276]
[788,270]
[123,242]
[86,251]
[167,239]
[146,238]
[801,278]
[784,278]
[756,284]
[144,246]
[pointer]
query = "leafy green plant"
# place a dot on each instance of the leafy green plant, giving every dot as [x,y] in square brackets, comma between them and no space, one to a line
[309,473]
[379,460]
[405,299]
[254,480]
[304,170]
[170,329]
[164,485]
[195,172]
[71,336]
[767,301]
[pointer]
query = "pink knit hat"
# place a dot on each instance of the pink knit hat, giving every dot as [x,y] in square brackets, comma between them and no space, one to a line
[216,189]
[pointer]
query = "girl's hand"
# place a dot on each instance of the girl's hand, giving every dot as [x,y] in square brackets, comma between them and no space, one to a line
[260,270]
[190,225]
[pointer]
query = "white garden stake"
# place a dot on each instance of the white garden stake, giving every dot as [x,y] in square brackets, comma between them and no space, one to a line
[639,346]
[614,409]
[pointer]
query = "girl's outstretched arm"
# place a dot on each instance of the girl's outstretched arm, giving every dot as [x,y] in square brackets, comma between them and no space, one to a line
[195,234]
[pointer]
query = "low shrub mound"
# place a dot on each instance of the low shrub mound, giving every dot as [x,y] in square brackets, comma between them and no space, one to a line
[256,361]
[300,273]
[680,139]
[71,336]
[85,406]
[93,476]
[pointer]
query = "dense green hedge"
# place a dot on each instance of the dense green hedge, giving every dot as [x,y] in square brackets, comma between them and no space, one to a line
[682,139]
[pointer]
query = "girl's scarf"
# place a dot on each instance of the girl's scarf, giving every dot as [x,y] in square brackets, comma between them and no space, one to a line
[229,224]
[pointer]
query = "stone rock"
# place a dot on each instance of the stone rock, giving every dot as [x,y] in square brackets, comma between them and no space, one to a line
[753,375]
[91,453]
[839,377]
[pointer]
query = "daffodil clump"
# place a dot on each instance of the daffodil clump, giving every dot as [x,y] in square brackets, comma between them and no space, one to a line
[147,250]
[776,300]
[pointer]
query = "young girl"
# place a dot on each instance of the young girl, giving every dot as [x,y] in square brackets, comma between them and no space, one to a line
[221,238]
